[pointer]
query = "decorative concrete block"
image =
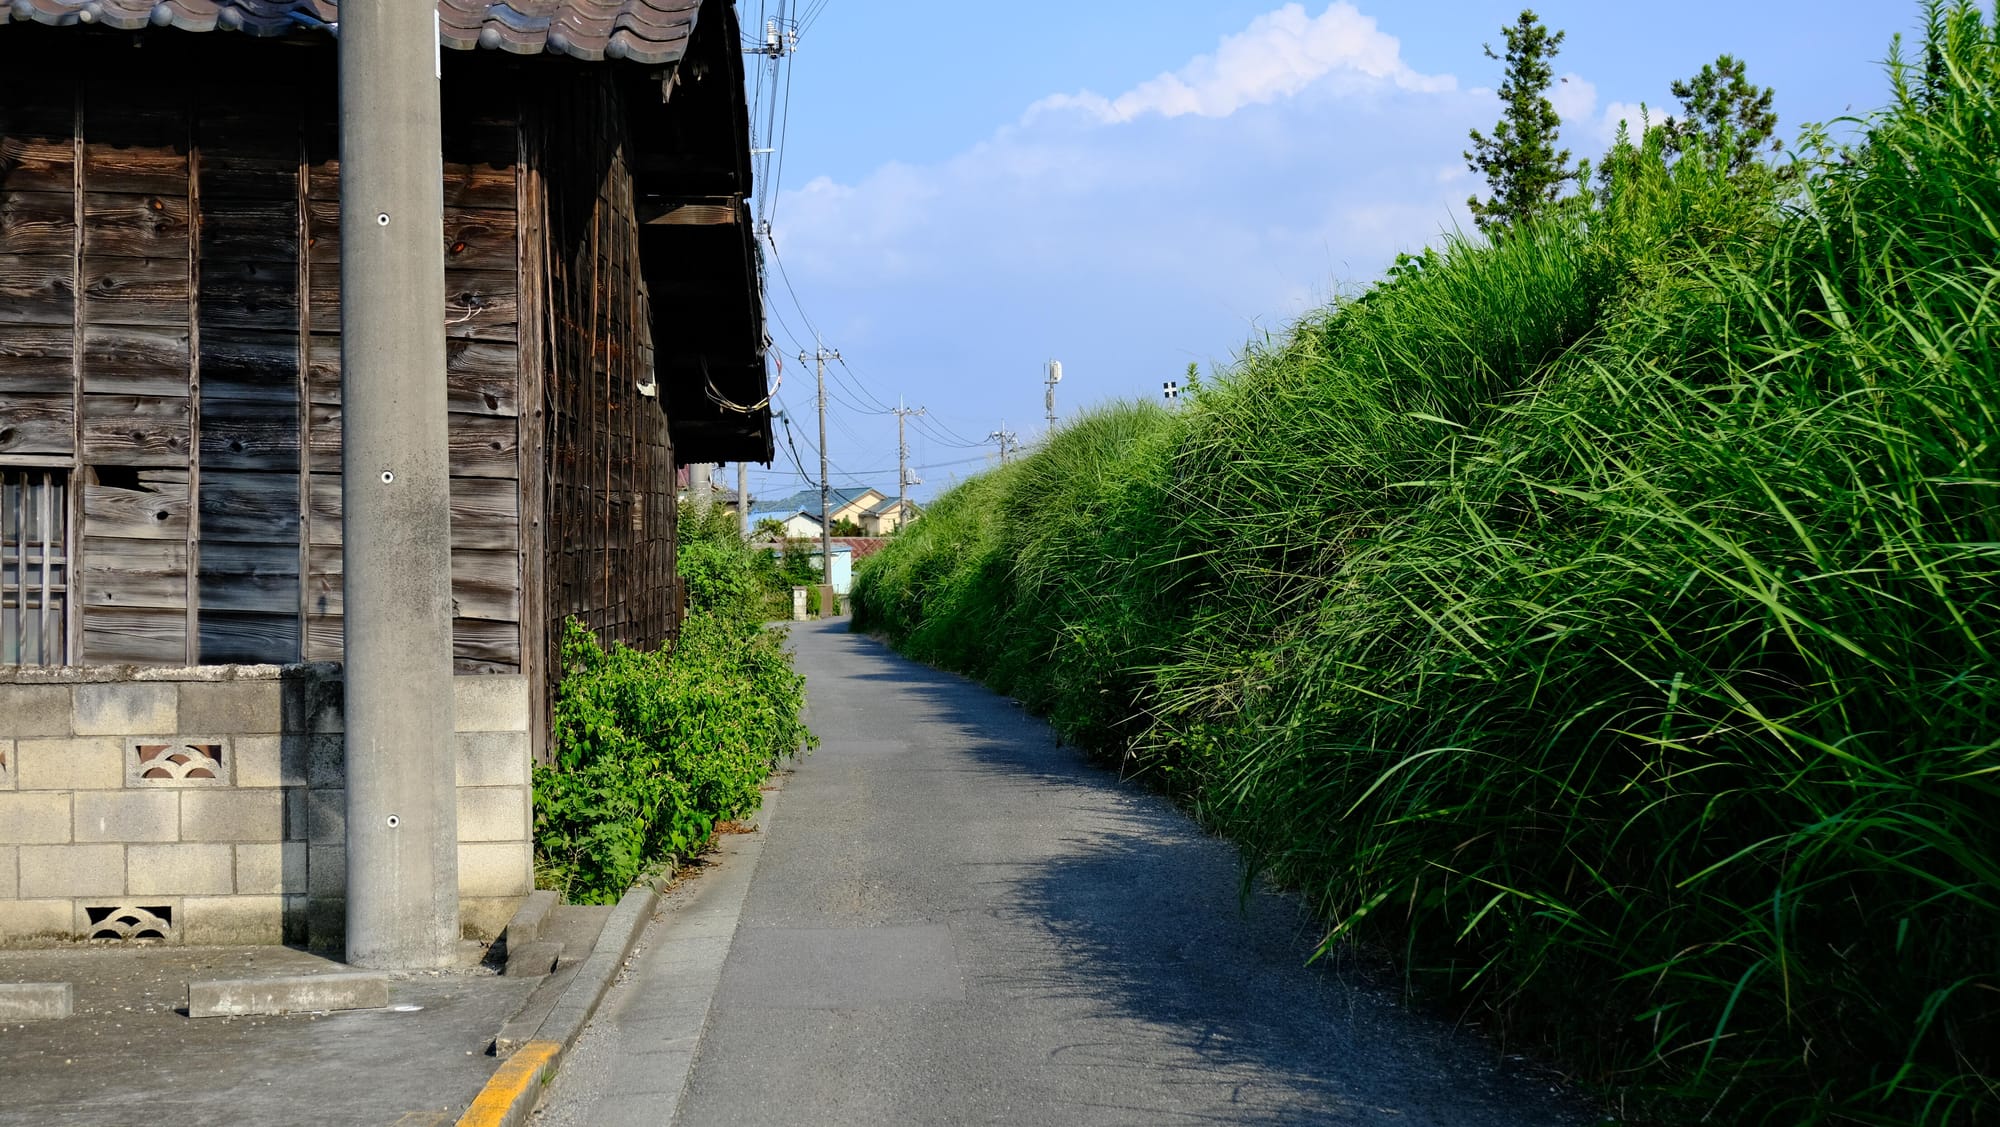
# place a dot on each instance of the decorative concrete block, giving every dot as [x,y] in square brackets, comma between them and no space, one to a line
[6,764]
[10,868]
[27,818]
[25,923]
[488,869]
[493,814]
[270,870]
[49,871]
[490,703]
[77,763]
[326,817]
[151,919]
[493,759]
[241,708]
[326,759]
[297,921]
[126,708]
[260,762]
[34,710]
[224,921]
[233,815]
[326,871]
[173,762]
[181,870]
[128,815]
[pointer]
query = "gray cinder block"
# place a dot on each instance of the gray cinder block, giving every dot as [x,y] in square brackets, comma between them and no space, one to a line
[36,1001]
[320,993]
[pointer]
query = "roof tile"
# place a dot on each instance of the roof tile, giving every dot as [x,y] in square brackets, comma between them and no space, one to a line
[653,32]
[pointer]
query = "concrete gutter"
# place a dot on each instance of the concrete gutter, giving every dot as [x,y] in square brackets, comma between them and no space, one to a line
[515,1089]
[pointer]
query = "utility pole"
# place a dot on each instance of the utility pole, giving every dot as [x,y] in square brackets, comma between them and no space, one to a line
[1049,400]
[743,498]
[402,797]
[904,479]
[1008,440]
[819,356]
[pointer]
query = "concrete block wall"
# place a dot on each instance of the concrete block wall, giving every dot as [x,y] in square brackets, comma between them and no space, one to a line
[207,806]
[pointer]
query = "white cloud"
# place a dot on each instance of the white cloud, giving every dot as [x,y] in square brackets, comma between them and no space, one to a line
[1278,56]
[1574,97]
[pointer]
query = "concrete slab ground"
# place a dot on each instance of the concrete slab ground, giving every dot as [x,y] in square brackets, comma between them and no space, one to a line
[130,1056]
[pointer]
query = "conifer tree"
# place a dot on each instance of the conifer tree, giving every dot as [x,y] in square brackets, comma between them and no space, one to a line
[1522,166]
[1731,115]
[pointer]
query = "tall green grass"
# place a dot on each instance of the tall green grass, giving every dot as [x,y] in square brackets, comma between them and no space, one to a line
[1601,622]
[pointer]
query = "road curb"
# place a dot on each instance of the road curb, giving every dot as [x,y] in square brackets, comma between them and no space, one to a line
[514,1090]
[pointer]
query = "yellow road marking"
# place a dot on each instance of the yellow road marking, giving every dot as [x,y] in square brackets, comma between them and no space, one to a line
[503,1093]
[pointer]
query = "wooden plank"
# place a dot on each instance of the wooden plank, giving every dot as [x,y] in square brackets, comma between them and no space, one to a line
[36,359]
[325,637]
[134,141]
[37,289]
[135,360]
[40,424]
[134,573]
[136,430]
[154,225]
[146,505]
[479,445]
[228,638]
[475,238]
[242,364]
[37,146]
[487,643]
[485,513]
[248,295]
[479,304]
[466,183]
[229,182]
[136,291]
[252,578]
[250,508]
[484,584]
[37,223]
[250,434]
[479,375]
[249,231]
[134,636]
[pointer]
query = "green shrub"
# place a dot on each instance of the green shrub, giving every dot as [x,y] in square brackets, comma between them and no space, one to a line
[1601,621]
[653,748]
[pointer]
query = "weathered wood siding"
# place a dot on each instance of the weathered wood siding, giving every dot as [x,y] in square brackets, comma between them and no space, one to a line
[606,514]
[169,334]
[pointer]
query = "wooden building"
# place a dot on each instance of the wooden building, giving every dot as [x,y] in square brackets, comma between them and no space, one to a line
[170,419]
[171,717]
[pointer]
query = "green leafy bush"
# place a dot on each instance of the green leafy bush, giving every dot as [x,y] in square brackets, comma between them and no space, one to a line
[654,748]
[1601,621]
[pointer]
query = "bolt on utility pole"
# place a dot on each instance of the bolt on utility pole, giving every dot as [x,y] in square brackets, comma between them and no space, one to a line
[1054,377]
[402,798]
[820,355]
[904,478]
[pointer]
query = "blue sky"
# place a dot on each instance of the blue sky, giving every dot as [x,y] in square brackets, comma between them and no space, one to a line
[1133,187]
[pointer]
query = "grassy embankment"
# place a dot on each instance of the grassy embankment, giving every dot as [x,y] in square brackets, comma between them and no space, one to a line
[1601,623]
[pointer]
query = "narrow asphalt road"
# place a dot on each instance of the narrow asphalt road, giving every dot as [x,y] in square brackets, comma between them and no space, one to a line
[951,920]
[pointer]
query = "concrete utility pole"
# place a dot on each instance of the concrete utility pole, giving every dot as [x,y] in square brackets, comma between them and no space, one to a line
[701,485]
[819,356]
[904,478]
[402,793]
[1049,400]
[743,497]
[1008,440]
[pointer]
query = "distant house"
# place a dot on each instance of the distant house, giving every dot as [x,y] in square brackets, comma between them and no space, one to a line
[874,512]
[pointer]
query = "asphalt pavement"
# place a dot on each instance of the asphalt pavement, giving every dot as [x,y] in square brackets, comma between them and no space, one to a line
[951,919]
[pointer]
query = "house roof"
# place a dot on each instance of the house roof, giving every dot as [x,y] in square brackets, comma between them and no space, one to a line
[653,32]
[807,501]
